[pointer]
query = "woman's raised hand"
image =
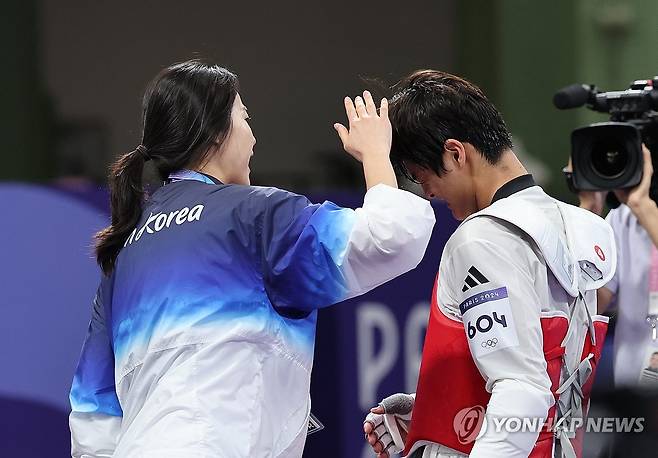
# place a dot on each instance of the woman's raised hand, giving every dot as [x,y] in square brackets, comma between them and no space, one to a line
[369,134]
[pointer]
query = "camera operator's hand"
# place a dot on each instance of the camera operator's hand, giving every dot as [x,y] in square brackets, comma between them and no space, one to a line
[638,200]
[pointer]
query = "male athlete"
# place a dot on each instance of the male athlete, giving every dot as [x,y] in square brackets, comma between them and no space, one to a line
[512,332]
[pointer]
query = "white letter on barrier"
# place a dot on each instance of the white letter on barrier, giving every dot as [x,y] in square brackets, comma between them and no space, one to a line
[370,317]
[414,333]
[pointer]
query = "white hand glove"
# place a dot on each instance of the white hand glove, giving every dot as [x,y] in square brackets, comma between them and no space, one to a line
[389,424]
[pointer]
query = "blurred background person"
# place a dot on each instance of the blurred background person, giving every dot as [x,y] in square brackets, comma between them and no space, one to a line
[632,294]
[630,300]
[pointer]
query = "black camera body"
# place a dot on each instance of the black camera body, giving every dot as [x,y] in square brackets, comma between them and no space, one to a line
[608,155]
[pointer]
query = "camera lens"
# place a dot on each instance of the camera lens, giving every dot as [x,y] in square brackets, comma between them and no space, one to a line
[609,158]
[606,156]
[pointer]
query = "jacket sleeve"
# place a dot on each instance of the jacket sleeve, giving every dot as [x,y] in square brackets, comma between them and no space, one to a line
[95,418]
[501,312]
[317,255]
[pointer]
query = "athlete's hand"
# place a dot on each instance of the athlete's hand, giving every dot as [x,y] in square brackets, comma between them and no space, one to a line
[386,425]
[369,134]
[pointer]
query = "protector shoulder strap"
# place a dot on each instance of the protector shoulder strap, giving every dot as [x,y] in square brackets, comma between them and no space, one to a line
[594,245]
[528,218]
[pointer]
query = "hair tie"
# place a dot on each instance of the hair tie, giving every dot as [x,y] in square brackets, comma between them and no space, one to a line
[143,151]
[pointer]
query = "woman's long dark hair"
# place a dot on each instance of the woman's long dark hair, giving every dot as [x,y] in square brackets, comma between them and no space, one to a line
[186,112]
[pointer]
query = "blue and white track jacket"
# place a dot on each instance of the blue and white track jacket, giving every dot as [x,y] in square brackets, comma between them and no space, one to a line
[201,340]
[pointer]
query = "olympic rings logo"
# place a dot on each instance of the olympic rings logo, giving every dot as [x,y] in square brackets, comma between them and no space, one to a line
[489,343]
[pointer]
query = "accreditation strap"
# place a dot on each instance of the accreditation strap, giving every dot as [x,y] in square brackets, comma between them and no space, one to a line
[649,371]
[653,282]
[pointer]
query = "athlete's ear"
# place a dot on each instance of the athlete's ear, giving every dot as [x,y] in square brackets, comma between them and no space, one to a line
[456,151]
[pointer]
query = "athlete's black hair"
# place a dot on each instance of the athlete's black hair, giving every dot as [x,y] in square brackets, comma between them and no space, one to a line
[430,107]
[186,111]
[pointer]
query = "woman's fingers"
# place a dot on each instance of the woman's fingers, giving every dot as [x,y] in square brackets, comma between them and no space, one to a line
[350,110]
[343,133]
[360,107]
[371,108]
[383,109]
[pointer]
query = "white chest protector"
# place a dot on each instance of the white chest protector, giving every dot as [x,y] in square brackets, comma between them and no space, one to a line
[582,259]
[580,255]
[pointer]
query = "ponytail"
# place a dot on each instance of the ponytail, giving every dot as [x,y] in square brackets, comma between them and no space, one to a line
[126,199]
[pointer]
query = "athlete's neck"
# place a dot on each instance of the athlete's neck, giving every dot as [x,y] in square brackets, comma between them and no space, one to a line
[489,178]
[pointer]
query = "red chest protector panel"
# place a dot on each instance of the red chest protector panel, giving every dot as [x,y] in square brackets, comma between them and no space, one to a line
[451,396]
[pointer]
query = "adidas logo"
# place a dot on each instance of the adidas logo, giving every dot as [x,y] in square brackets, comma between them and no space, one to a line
[473,279]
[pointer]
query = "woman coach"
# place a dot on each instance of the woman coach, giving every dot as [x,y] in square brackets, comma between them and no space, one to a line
[202,332]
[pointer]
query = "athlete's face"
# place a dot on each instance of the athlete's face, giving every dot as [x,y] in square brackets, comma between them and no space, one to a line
[454,186]
[238,147]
